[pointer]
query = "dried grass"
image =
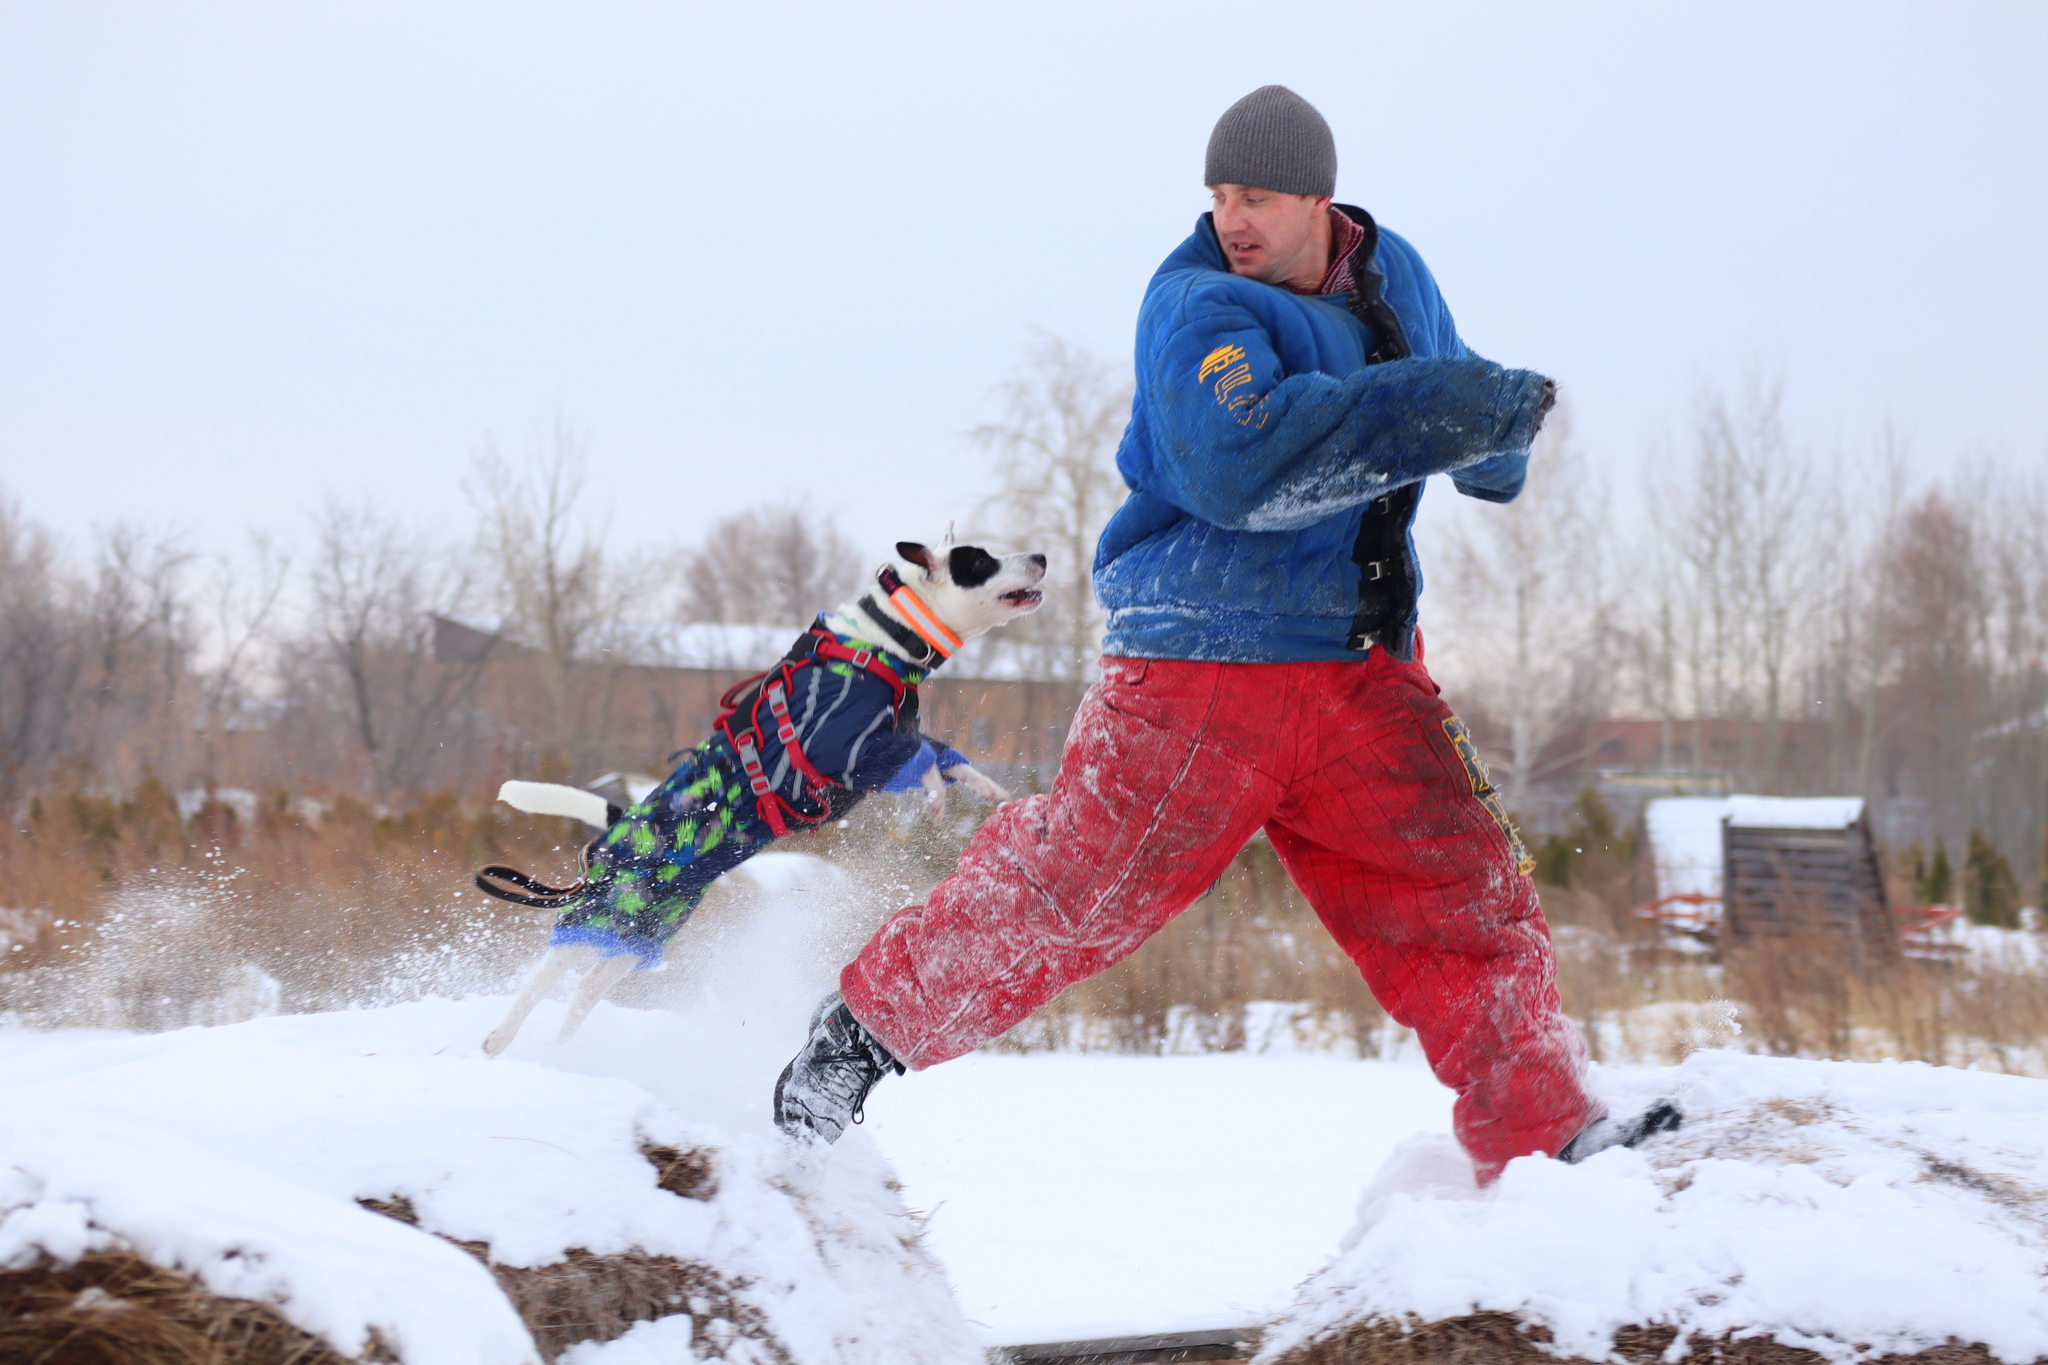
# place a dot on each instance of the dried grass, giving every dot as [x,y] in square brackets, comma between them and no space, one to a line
[115,1308]
[1497,1339]
[141,920]
[588,1297]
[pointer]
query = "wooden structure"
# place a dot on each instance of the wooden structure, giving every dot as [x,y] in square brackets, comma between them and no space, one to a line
[1804,869]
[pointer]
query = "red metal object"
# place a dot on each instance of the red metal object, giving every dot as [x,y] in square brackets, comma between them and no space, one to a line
[1917,924]
[1681,911]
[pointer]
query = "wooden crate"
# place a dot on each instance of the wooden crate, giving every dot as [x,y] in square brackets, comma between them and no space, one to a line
[1812,884]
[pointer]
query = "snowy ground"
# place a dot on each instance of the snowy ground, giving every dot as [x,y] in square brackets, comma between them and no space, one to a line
[1063,1196]
[1854,1209]
[1090,1196]
[239,1153]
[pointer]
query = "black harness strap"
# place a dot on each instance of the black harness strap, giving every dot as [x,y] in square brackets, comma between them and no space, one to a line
[1385,587]
[916,649]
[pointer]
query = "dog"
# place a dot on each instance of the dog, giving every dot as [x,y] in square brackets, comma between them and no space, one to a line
[794,747]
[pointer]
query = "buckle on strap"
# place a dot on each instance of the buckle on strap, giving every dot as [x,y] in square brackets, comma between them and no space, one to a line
[1375,570]
[778,703]
[750,760]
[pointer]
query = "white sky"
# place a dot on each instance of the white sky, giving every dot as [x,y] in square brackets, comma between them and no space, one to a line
[249,253]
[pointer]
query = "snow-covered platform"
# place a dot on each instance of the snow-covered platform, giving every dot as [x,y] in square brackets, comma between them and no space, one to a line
[355,1170]
[1807,1211]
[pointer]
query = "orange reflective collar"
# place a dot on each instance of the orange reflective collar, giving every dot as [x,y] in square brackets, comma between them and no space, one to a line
[917,615]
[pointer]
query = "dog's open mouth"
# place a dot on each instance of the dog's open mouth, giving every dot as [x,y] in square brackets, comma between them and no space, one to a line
[1024,597]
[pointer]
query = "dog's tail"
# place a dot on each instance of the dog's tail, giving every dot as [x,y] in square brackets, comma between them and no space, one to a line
[552,798]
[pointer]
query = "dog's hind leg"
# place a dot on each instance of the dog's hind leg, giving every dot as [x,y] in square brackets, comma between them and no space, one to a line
[553,967]
[597,983]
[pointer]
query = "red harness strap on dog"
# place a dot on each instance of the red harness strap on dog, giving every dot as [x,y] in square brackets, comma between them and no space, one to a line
[774,689]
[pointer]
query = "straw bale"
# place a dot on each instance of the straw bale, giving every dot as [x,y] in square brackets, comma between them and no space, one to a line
[588,1297]
[1498,1339]
[115,1308]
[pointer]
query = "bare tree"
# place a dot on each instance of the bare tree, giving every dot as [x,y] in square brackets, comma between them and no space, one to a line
[375,588]
[1055,460]
[39,659]
[1869,641]
[1778,557]
[776,564]
[547,562]
[1741,548]
[242,601]
[140,643]
[1528,581]
[555,591]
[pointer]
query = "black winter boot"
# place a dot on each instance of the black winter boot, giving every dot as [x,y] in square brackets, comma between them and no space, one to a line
[823,1088]
[1662,1117]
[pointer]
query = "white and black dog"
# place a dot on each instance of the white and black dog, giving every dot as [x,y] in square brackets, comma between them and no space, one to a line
[833,720]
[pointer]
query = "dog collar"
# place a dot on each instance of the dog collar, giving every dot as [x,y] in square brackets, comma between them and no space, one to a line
[928,641]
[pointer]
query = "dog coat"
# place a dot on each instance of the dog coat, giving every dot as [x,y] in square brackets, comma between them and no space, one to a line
[797,746]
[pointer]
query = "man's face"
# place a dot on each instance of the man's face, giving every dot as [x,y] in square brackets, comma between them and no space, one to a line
[1270,236]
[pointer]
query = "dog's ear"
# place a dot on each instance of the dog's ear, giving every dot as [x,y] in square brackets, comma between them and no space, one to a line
[916,554]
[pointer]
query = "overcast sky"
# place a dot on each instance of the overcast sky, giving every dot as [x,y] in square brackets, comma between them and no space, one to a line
[250,253]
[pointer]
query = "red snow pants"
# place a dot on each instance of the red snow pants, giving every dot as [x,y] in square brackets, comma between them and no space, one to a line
[1369,791]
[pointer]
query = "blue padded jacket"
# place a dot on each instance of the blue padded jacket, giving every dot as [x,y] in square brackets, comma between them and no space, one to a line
[1262,442]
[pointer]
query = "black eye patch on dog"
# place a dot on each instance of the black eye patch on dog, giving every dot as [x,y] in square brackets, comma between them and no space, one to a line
[970,566]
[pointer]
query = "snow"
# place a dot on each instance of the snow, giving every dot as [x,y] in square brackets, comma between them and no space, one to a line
[1986,947]
[238,1154]
[1852,1209]
[1685,841]
[1062,1196]
[1092,1196]
[1794,812]
[1066,1196]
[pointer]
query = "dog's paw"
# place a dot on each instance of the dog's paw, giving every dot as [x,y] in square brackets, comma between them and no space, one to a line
[980,783]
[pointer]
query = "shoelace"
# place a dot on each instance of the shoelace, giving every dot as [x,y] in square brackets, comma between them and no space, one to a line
[870,1064]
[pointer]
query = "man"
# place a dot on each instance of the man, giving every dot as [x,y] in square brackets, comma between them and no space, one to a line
[1298,377]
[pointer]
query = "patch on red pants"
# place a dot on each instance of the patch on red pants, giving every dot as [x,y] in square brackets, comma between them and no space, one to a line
[1482,787]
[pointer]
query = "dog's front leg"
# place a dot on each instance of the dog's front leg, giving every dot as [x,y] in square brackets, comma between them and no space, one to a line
[552,968]
[597,983]
[980,782]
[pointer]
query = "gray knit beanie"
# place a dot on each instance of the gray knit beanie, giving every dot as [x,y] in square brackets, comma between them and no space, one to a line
[1275,140]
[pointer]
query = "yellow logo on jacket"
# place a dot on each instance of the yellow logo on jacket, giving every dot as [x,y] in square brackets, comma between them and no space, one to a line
[1234,372]
[1222,358]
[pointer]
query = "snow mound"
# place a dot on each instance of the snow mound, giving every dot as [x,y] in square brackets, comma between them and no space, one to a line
[1853,1210]
[239,1154]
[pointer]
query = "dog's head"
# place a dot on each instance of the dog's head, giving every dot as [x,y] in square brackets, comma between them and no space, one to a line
[968,588]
